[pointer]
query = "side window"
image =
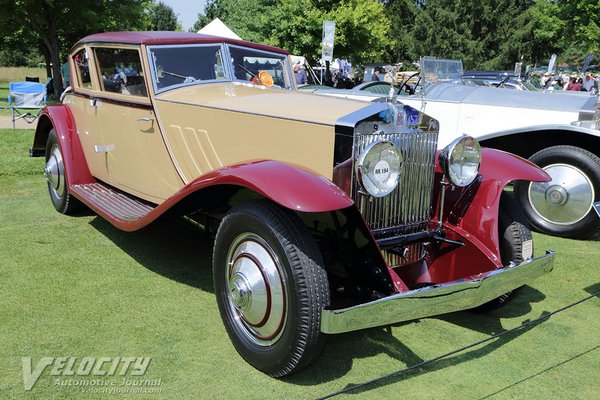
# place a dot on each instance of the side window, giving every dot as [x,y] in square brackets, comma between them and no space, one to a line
[82,69]
[121,71]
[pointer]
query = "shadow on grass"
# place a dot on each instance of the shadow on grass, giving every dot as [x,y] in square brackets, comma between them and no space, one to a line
[337,358]
[168,248]
[177,252]
[593,289]
[568,360]
[594,238]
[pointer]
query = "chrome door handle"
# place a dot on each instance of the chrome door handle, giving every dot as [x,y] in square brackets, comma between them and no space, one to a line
[146,119]
[94,102]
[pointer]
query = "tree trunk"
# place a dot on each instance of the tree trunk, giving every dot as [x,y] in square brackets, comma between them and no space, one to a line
[55,58]
[54,53]
[46,55]
[45,25]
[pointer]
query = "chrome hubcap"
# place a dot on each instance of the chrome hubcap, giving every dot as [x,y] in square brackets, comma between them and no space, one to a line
[567,199]
[255,289]
[54,171]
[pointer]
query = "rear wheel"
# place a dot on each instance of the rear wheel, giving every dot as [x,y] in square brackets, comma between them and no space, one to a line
[54,171]
[270,286]
[564,206]
[516,243]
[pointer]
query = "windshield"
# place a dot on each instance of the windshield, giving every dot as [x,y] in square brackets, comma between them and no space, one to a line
[438,70]
[181,65]
[259,67]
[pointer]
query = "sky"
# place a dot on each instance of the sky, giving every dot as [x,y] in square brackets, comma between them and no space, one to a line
[187,10]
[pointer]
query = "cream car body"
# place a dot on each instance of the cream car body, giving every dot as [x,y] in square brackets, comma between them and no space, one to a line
[328,215]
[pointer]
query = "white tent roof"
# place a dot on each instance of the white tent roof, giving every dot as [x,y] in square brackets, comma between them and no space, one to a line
[216,27]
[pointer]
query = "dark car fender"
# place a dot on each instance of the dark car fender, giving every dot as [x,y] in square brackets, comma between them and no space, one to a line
[474,214]
[60,118]
[289,186]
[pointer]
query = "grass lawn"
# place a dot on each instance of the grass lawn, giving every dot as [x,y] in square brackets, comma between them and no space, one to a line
[4,98]
[77,287]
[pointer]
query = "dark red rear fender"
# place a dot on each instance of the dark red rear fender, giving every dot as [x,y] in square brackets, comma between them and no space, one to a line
[60,118]
[480,218]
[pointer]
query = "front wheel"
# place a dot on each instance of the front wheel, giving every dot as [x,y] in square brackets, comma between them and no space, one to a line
[565,206]
[270,286]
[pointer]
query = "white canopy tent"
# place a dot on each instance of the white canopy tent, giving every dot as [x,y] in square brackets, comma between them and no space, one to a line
[216,27]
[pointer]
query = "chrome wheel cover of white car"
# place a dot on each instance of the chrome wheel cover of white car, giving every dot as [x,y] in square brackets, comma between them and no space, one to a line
[565,200]
[255,289]
[54,172]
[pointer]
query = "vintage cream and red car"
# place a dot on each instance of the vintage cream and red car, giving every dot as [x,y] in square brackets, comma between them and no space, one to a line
[329,215]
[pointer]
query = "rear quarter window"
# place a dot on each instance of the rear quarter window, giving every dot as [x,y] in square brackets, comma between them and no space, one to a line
[121,71]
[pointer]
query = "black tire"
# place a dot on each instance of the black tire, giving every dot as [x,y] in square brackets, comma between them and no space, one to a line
[516,243]
[61,199]
[245,235]
[581,161]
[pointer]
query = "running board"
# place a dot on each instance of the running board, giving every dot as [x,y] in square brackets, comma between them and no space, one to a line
[111,203]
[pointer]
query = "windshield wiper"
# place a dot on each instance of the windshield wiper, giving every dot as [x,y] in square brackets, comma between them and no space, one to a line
[186,79]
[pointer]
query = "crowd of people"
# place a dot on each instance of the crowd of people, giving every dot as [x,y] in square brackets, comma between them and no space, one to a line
[574,82]
[584,82]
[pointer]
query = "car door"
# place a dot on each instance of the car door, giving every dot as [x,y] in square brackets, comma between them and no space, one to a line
[137,160]
[85,88]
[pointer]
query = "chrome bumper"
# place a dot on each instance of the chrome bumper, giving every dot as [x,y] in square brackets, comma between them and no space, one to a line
[438,299]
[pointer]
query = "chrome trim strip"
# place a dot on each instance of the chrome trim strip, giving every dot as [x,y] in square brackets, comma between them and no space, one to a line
[436,299]
[596,207]
[104,148]
[242,112]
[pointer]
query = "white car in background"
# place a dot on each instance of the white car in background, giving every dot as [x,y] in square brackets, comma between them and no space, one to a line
[559,133]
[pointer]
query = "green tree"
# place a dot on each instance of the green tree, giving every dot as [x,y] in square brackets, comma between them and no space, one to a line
[362,26]
[483,33]
[163,18]
[568,28]
[212,9]
[58,24]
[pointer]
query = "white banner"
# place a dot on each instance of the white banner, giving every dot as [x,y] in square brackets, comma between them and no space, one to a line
[327,44]
[551,63]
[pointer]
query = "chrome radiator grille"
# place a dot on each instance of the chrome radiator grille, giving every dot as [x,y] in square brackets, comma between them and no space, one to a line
[408,208]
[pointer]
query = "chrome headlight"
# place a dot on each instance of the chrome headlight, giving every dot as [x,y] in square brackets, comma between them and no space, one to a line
[378,168]
[460,160]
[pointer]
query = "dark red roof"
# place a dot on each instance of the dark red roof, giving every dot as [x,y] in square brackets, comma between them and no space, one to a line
[166,37]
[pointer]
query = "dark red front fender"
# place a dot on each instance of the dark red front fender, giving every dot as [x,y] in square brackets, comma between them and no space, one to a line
[286,185]
[480,220]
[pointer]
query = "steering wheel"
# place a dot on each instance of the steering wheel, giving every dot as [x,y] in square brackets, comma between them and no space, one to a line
[410,89]
[503,82]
